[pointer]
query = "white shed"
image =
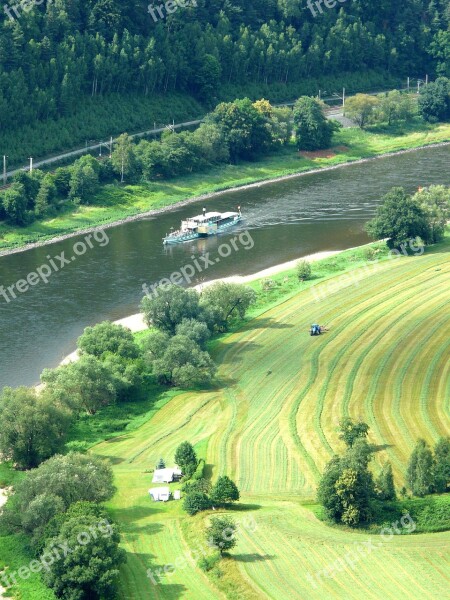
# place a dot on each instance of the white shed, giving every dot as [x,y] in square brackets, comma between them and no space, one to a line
[166,475]
[177,495]
[161,494]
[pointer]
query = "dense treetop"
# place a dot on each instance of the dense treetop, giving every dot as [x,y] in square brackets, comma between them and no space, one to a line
[60,51]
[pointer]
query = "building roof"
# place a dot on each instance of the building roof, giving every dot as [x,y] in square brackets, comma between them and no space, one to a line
[165,475]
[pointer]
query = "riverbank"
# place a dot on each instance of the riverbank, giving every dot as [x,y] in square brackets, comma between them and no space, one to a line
[115,205]
[136,322]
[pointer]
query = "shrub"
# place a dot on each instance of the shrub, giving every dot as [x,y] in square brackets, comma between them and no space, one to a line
[304,270]
[195,502]
[207,563]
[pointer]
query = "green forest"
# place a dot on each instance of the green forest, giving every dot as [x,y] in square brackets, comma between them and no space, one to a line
[72,70]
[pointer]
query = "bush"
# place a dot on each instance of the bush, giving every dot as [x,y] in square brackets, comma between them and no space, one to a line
[304,270]
[198,474]
[369,254]
[207,563]
[196,502]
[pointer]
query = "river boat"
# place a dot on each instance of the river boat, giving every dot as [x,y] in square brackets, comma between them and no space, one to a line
[203,226]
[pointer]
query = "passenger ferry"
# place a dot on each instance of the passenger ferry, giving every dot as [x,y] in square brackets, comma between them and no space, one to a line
[203,226]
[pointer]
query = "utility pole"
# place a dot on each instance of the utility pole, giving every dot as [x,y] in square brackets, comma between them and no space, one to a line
[426,79]
[343,98]
[408,85]
[4,169]
[31,165]
[110,148]
[123,166]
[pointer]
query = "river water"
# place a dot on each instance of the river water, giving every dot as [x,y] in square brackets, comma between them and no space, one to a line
[286,220]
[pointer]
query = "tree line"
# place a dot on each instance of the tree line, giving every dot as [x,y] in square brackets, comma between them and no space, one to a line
[113,367]
[234,131]
[57,509]
[56,54]
[348,490]
[433,105]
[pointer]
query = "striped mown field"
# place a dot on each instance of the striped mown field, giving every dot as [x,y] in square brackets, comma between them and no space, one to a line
[272,426]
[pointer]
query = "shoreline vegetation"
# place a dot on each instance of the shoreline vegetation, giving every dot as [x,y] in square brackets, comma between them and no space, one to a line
[136,322]
[115,205]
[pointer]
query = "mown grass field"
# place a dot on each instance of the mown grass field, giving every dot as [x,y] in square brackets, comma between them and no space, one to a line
[114,202]
[271,424]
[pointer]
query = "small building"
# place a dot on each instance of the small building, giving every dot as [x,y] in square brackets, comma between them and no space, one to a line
[161,494]
[166,475]
[177,495]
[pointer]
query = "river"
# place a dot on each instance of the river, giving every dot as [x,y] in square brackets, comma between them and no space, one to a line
[286,220]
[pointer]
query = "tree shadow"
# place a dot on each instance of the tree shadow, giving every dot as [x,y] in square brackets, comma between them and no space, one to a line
[238,348]
[381,447]
[208,472]
[113,460]
[159,585]
[243,507]
[117,438]
[252,558]
[267,323]
[133,514]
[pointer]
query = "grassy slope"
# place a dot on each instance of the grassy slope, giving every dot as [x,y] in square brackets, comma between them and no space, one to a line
[113,203]
[272,426]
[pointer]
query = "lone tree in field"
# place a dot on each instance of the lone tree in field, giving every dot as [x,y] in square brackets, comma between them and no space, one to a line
[186,459]
[313,130]
[420,472]
[221,534]
[351,431]
[224,491]
[161,464]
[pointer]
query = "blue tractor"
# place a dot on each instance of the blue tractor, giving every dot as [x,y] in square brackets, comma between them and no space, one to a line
[315,329]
